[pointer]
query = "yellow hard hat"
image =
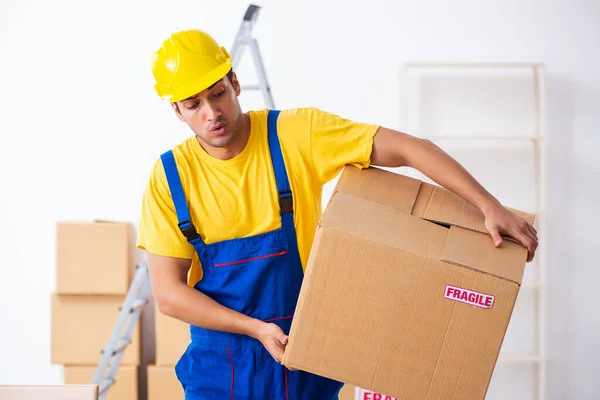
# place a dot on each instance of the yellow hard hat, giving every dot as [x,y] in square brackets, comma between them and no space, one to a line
[187,63]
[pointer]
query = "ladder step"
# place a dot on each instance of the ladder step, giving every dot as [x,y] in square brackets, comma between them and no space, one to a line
[121,344]
[104,385]
[137,304]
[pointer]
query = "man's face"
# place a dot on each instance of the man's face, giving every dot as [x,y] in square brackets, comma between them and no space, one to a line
[214,114]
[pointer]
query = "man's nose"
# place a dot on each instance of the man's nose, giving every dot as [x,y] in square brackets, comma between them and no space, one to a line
[212,112]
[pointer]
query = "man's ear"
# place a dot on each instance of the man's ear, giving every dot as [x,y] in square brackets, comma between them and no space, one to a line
[236,84]
[177,112]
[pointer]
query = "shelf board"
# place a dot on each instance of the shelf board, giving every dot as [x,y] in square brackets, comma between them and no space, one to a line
[482,138]
[533,286]
[519,357]
[426,64]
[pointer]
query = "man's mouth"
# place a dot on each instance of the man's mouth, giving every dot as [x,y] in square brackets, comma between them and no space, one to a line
[218,129]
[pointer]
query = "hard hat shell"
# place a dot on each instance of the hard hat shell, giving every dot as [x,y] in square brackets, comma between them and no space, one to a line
[187,63]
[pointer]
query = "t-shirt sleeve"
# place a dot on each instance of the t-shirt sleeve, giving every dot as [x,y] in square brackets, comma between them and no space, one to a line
[336,142]
[158,232]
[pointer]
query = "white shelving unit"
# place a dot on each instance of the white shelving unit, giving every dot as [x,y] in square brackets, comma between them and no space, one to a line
[535,140]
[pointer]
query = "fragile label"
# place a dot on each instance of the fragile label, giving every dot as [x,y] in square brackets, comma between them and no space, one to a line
[368,395]
[467,296]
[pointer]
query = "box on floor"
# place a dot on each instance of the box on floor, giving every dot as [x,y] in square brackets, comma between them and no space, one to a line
[172,337]
[49,392]
[81,326]
[404,292]
[125,386]
[163,383]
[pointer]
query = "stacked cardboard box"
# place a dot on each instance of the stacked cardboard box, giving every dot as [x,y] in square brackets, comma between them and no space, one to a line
[94,266]
[172,337]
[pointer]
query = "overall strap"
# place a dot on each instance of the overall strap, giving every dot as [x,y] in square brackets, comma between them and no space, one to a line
[286,205]
[179,200]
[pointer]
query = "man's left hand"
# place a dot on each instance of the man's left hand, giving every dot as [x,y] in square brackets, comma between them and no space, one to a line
[500,221]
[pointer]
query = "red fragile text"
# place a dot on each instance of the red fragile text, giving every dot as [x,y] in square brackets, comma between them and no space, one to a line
[368,395]
[469,296]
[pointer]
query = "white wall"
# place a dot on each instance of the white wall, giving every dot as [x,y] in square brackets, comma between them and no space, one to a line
[80,127]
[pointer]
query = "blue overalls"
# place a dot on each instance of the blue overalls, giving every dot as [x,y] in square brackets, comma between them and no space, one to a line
[259,276]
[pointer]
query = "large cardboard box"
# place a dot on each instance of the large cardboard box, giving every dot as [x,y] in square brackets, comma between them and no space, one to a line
[125,386]
[49,392]
[404,293]
[347,392]
[172,337]
[353,393]
[94,257]
[163,384]
[81,327]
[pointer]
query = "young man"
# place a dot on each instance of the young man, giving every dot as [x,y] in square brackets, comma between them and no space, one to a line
[228,219]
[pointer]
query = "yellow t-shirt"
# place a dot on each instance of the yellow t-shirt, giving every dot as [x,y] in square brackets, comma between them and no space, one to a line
[238,197]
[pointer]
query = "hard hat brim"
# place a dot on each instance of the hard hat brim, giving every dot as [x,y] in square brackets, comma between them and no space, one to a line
[192,88]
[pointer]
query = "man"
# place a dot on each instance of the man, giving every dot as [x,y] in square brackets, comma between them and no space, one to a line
[229,215]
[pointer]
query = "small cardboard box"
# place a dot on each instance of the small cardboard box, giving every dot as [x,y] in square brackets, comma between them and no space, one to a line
[125,386]
[49,392]
[81,327]
[404,293]
[163,384]
[172,338]
[94,257]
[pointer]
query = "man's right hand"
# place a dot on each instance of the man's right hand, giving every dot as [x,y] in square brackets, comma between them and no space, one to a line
[274,340]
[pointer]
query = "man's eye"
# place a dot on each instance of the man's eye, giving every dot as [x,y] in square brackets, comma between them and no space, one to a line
[192,106]
[220,93]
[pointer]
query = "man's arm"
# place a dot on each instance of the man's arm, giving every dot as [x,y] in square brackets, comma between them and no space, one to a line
[178,300]
[396,149]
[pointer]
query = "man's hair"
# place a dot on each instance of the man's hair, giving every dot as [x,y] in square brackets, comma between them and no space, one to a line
[229,76]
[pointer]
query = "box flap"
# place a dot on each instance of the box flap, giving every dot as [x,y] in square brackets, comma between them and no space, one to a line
[476,251]
[381,224]
[380,186]
[421,199]
[438,204]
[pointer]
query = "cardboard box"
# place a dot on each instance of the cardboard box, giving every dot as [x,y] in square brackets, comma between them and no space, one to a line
[163,384]
[125,386]
[81,327]
[94,257]
[49,392]
[172,338]
[404,293]
[353,393]
[347,392]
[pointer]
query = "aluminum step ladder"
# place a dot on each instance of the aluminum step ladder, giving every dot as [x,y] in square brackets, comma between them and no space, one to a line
[244,38]
[120,338]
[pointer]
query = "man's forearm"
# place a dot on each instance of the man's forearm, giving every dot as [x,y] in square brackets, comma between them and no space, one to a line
[196,308]
[395,149]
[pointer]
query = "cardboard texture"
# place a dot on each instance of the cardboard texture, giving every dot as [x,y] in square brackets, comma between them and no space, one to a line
[94,257]
[172,338]
[124,388]
[347,393]
[404,293]
[81,327]
[352,393]
[163,384]
[48,392]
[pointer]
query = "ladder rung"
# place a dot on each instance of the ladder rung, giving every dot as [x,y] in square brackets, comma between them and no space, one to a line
[121,344]
[105,384]
[137,304]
